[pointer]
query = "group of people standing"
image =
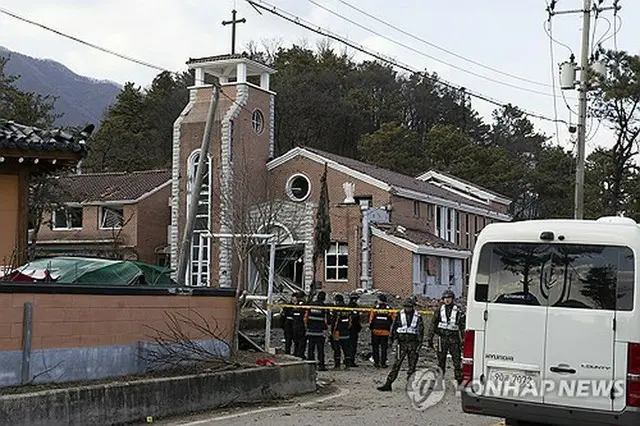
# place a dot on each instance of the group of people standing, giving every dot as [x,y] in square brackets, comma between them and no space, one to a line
[306,330]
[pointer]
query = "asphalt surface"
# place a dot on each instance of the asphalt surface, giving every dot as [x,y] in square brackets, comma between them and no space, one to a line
[346,397]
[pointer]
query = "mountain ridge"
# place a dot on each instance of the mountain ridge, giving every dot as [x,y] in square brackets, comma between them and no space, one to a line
[81,99]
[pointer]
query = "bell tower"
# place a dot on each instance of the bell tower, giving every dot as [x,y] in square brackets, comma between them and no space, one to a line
[241,145]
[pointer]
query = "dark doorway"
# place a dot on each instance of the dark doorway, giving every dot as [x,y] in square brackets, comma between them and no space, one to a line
[290,263]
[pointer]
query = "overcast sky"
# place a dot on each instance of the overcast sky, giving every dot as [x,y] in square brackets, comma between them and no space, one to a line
[504,34]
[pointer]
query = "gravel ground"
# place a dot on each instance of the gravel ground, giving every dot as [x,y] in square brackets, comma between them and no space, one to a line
[347,397]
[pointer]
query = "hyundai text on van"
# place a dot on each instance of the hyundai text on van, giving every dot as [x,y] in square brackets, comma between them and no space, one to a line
[553,326]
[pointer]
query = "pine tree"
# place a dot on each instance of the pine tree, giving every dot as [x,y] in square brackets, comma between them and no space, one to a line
[322,231]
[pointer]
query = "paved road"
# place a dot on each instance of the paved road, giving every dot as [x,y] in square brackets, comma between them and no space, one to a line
[350,398]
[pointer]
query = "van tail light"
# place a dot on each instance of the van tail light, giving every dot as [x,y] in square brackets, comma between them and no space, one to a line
[467,357]
[633,375]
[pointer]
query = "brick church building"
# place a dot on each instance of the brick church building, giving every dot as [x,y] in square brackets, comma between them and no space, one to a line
[396,233]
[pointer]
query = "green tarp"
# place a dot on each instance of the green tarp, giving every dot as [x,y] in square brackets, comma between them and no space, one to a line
[89,271]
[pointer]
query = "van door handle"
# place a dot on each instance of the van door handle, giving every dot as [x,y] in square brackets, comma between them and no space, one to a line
[562,370]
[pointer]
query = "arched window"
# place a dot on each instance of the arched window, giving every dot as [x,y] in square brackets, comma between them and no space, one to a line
[281,233]
[199,267]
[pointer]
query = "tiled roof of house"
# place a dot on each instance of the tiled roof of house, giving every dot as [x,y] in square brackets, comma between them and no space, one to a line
[27,138]
[419,237]
[398,180]
[120,186]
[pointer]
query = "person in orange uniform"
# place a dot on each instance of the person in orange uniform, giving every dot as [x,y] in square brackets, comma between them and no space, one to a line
[380,325]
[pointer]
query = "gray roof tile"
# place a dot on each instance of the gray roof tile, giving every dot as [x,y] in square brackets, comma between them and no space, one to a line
[113,186]
[28,138]
[419,237]
[399,180]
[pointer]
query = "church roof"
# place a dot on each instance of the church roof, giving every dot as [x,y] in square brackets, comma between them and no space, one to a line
[230,59]
[112,187]
[418,237]
[419,242]
[398,183]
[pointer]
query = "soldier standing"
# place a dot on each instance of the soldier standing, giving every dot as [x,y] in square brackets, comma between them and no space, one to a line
[316,321]
[448,324]
[355,328]
[408,329]
[380,325]
[341,324]
[288,321]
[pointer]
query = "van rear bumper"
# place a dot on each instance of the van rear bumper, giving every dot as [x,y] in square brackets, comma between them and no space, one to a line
[542,413]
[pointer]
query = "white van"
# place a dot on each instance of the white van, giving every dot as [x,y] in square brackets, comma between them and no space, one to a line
[553,323]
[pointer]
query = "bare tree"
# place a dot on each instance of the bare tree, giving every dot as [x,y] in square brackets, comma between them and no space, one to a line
[189,340]
[251,204]
[45,196]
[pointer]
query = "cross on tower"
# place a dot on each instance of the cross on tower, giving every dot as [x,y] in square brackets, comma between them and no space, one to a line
[233,23]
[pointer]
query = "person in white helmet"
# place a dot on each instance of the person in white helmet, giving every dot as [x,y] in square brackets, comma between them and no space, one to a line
[408,329]
[448,324]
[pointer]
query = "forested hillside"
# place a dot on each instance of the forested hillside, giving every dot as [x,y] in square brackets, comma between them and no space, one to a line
[79,100]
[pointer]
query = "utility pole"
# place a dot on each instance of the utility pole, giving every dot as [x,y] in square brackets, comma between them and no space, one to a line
[233,23]
[187,235]
[582,110]
[567,77]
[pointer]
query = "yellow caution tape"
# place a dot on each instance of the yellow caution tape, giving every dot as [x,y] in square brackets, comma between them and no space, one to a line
[340,308]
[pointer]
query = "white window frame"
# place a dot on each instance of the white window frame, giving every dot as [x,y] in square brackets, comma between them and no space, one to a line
[68,226]
[447,227]
[199,272]
[336,246]
[467,224]
[255,122]
[101,217]
[416,209]
[289,191]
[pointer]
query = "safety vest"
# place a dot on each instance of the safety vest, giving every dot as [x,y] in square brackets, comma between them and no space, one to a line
[316,321]
[341,325]
[381,321]
[405,328]
[452,323]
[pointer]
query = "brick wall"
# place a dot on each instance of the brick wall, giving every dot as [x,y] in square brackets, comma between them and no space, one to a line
[86,320]
[154,216]
[413,214]
[392,270]
[345,219]
[91,227]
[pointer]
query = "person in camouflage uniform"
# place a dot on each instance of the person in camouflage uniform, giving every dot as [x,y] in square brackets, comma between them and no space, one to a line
[448,324]
[408,330]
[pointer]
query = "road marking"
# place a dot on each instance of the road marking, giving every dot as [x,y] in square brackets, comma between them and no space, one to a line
[342,392]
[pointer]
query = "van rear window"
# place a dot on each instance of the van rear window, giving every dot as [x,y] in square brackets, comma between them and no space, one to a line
[556,275]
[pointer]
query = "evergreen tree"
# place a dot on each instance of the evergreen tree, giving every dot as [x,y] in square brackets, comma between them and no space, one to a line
[322,231]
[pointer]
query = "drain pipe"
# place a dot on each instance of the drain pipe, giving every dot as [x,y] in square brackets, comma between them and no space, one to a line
[365,277]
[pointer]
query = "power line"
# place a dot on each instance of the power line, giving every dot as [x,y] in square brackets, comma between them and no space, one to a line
[556,41]
[419,52]
[553,79]
[102,49]
[326,33]
[298,21]
[435,46]
[76,39]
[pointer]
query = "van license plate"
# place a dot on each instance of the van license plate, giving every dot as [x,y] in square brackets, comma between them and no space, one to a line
[519,378]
